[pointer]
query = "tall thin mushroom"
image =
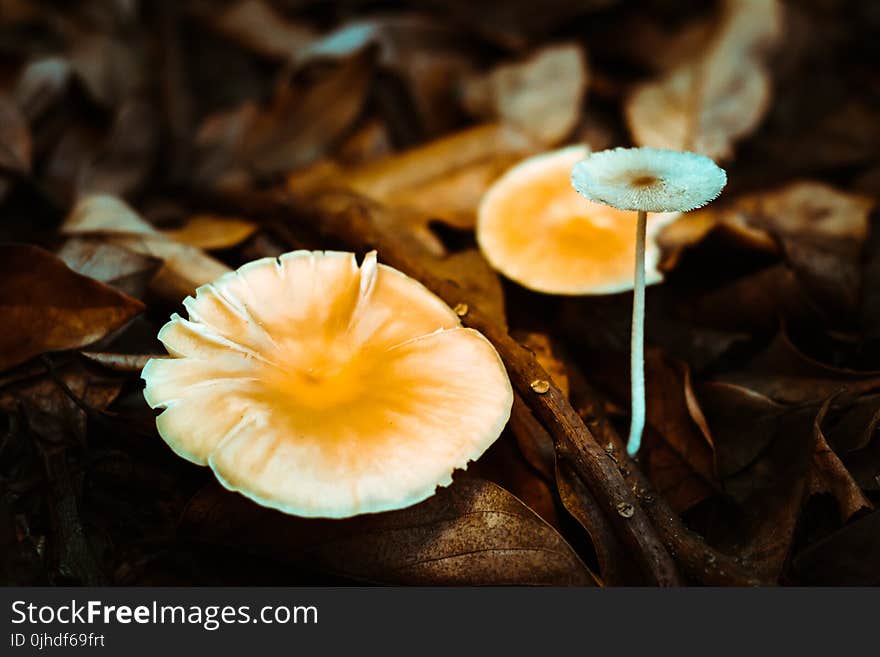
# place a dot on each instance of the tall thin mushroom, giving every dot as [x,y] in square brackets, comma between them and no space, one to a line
[646,180]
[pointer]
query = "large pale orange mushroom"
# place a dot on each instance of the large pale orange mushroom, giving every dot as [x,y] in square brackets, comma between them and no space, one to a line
[321,388]
[538,231]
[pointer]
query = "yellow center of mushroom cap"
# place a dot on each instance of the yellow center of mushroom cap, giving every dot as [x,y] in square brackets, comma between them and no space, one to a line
[321,388]
[535,229]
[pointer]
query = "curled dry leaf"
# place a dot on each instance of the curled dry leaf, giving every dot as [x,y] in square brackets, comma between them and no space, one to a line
[828,475]
[471,533]
[46,306]
[541,96]
[208,231]
[708,103]
[185,267]
[128,271]
[764,453]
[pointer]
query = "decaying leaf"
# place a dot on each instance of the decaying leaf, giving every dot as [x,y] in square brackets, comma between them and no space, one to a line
[54,403]
[46,306]
[541,96]
[829,475]
[468,534]
[126,270]
[708,103]
[767,476]
[185,267]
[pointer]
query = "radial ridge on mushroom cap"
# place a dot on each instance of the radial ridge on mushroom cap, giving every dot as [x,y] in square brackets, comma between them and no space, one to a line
[324,389]
[649,179]
[536,230]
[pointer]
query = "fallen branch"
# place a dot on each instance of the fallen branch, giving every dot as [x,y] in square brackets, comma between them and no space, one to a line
[349,220]
[698,560]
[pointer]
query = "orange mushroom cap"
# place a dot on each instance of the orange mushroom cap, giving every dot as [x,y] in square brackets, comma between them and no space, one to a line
[321,388]
[534,228]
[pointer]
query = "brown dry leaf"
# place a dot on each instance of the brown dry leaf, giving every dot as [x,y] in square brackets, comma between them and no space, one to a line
[602,324]
[673,478]
[301,123]
[429,56]
[753,303]
[471,533]
[676,423]
[764,453]
[444,179]
[694,228]
[819,230]
[208,231]
[828,475]
[480,285]
[542,346]
[615,566]
[822,232]
[848,557]
[185,267]
[728,408]
[673,412]
[54,414]
[505,465]
[786,375]
[46,306]
[258,26]
[541,96]
[15,139]
[708,103]
[126,270]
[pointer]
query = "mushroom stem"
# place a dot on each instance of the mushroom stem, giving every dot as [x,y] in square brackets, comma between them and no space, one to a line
[637,346]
